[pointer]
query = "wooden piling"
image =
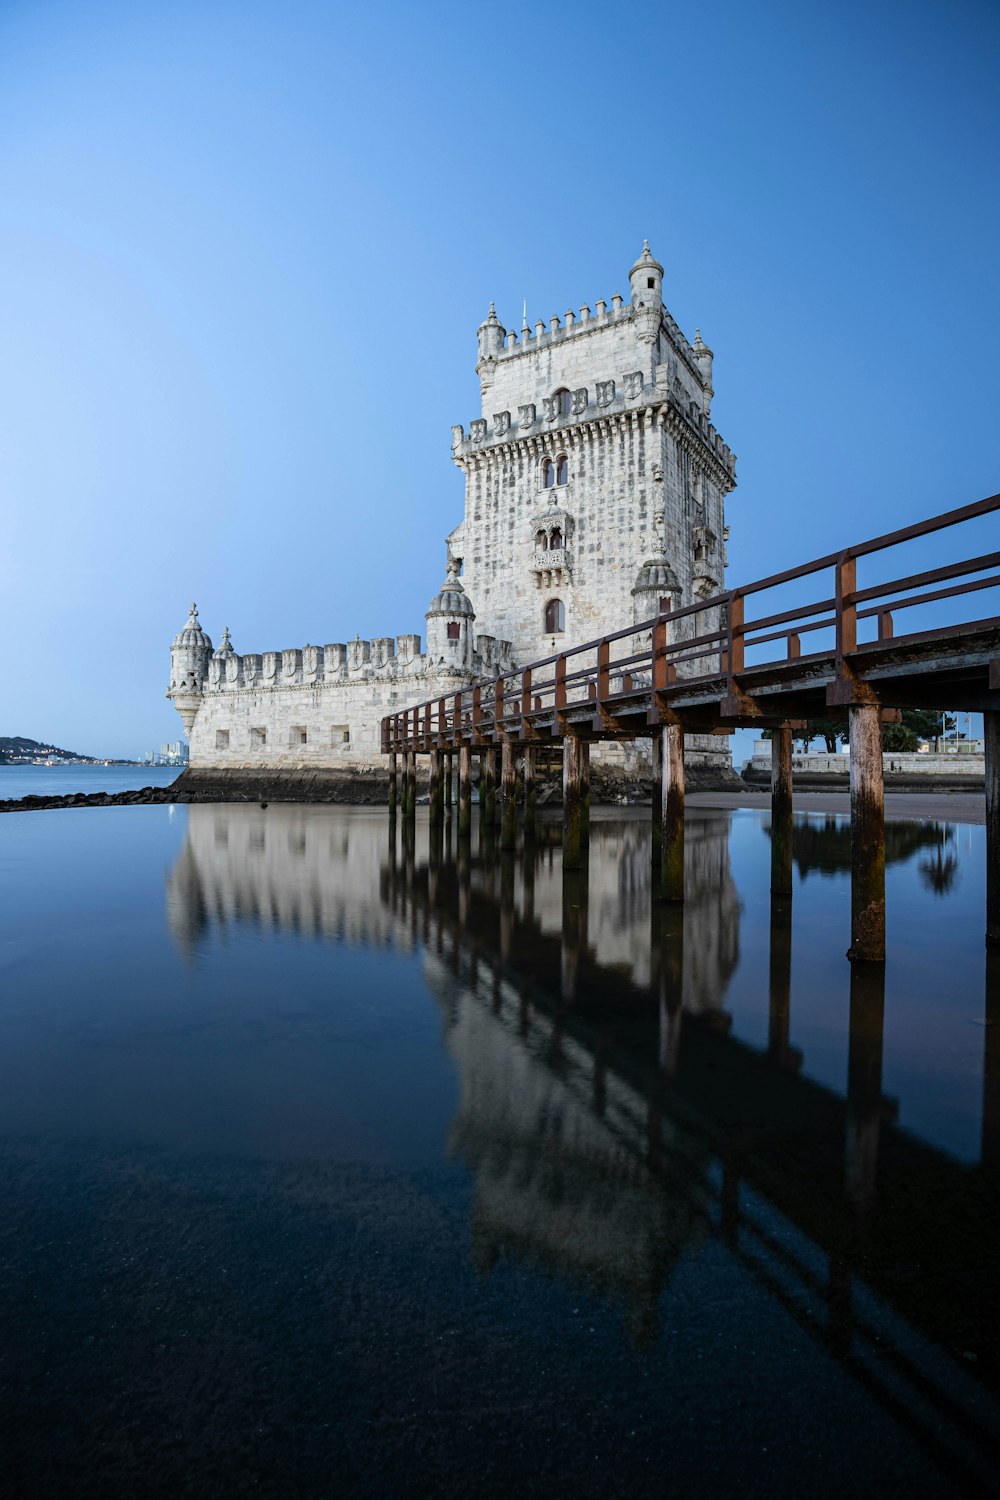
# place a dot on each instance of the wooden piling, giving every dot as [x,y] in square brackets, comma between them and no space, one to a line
[508,795]
[392,784]
[584,795]
[411,784]
[449,776]
[572,810]
[488,787]
[465,792]
[867,835]
[436,791]
[991,736]
[530,791]
[864,1082]
[781,812]
[656,800]
[672,783]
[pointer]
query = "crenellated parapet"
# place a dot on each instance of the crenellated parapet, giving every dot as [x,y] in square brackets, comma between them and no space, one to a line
[533,430]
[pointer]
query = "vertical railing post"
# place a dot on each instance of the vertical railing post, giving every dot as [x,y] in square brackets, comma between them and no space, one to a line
[845,582]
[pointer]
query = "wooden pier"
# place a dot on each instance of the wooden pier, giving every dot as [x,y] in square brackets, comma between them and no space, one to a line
[715,666]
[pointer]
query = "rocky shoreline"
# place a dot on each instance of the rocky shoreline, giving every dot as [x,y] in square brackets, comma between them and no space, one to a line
[360,788]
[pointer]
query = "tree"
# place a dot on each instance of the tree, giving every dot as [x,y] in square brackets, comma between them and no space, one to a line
[917,724]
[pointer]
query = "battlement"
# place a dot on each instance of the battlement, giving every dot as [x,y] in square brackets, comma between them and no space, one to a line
[606,399]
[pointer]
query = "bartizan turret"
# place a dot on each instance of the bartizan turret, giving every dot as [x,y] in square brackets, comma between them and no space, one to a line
[491,336]
[646,281]
[450,618]
[189,658]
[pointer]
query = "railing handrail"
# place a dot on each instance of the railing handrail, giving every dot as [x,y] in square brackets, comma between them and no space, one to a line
[730,640]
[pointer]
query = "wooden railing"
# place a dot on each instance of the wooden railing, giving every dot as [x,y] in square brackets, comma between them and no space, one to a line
[707,645]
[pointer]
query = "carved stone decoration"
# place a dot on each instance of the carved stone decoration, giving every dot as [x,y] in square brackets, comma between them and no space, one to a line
[477,430]
[291,661]
[605,392]
[215,671]
[550,406]
[457,437]
[232,668]
[310,664]
[270,665]
[579,400]
[359,652]
[501,423]
[251,666]
[526,415]
[633,384]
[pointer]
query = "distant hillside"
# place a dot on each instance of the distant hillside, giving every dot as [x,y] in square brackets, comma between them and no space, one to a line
[14,750]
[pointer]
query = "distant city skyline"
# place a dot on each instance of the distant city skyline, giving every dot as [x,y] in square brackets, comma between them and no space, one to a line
[244,253]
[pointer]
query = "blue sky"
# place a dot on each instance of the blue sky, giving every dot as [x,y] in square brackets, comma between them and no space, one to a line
[244,249]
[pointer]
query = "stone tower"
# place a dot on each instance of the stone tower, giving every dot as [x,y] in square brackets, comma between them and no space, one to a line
[595,482]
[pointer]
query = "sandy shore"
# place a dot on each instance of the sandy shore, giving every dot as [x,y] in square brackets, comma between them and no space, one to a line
[948,807]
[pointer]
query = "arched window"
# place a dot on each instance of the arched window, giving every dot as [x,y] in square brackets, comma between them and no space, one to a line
[555,617]
[665,604]
[562,469]
[454,630]
[563,402]
[555,541]
[548,474]
[542,540]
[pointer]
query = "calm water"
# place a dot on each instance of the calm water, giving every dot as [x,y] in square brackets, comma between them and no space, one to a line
[334,1165]
[62,781]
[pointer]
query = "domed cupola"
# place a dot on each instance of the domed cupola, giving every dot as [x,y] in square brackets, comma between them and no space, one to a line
[190,655]
[225,645]
[655,590]
[450,617]
[192,637]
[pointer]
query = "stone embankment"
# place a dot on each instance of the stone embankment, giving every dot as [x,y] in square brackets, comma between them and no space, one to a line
[365,787]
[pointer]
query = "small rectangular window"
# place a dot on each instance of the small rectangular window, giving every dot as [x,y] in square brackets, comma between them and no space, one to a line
[340,734]
[665,605]
[453,630]
[651,282]
[297,735]
[222,739]
[258,738]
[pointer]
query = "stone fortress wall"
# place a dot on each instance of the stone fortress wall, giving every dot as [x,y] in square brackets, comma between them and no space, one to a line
[595,491]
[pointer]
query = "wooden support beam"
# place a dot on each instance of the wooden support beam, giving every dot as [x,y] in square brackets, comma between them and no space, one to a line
[781,812]
[672,858]
[864,1082]
[867,836]
[436,797]
[656,801]
[487,787]
[449,776]
[991,736]
[465,793]
[392,784]
[508,795]
[572,810]
[584,795]
[780,983]
[530,791]
[411,784]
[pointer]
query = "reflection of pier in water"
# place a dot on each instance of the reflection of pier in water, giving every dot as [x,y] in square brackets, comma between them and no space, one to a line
[613,1122]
